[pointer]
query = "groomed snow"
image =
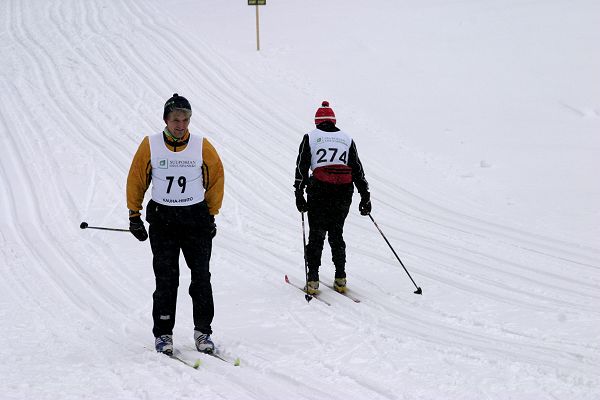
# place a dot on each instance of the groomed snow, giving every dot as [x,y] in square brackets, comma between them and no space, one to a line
[478,125]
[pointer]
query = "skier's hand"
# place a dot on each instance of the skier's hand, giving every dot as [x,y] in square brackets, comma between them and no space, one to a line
[136,227]
[365,203]
[301,201]
[213,227]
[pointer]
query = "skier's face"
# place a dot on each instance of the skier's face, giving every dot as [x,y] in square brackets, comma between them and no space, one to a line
[177,123]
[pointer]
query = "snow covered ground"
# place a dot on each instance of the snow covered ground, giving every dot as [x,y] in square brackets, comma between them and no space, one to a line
[478,125]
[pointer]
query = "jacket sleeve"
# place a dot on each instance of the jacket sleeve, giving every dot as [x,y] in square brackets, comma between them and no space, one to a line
[213,176]
[302,164]
[139,176]
[358,173]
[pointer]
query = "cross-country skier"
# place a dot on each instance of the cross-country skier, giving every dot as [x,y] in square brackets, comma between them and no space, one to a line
[331,155]
[187,191]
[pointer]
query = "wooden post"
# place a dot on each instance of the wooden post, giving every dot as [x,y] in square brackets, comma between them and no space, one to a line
[257,3]
[257,30]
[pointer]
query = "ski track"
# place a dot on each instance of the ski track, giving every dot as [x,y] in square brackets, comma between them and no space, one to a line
[448,251]
[461,336]
[60,188]
[450,268]
[470,225]
[47,253]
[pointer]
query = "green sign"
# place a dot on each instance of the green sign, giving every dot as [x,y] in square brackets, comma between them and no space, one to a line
[257,2]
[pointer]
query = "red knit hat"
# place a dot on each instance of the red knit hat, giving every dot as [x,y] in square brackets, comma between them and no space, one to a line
[324,113]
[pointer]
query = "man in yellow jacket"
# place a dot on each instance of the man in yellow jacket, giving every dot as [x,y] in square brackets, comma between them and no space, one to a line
[187,191]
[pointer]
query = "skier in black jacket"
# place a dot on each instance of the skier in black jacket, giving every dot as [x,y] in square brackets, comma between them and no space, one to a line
[332,157]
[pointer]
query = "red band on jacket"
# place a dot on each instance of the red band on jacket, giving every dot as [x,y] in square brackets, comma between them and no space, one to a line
[334,174]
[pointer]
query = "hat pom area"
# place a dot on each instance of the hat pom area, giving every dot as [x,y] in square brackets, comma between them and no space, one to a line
[325,103]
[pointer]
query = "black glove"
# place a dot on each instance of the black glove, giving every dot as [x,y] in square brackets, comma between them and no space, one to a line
[365,203]
[136,227]
[301,201]
[213,227]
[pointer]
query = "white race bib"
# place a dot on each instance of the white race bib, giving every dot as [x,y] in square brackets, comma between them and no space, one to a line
[176,176]
[328,148]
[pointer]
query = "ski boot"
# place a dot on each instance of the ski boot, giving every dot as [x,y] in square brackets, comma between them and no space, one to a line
[164,344]
[204,344]
[339,285]
[312,287]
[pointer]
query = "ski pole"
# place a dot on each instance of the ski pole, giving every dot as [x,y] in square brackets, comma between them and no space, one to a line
[307,296]
[84,225]
[418,291]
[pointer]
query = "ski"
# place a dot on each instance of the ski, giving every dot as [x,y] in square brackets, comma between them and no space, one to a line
[176,355]
[314,296]
[218,355]
[194,365]
[236,362]
[345,294]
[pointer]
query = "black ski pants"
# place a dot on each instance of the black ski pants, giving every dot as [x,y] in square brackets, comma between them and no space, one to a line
[328,207]
[167,240]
